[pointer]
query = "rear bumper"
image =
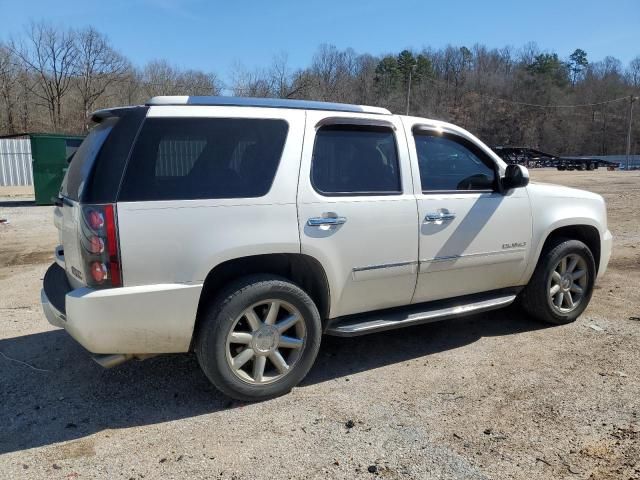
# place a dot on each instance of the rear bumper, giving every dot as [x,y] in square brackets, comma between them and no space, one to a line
[131,320]
[54,288]
[54,316]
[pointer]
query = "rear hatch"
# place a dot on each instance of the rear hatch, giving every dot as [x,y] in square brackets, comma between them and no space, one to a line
[90,187]
[67,213]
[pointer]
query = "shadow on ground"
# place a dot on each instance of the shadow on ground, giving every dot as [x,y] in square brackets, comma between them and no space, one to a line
[17,203]
[77,398]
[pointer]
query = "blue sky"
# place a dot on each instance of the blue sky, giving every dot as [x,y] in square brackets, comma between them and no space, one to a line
[214,35]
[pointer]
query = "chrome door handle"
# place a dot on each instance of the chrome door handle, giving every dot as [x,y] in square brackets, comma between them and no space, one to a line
[319,221]
[439,216]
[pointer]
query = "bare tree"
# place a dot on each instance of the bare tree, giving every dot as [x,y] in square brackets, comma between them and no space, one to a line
[51,78]
[49,55]
[160,78]
[281,77]
[129,90]
[195,82]
[250,83]
[633,72]
[9,76]
[98,67]
[332,70]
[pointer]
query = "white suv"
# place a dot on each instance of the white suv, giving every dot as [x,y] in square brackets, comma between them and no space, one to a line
[244,229]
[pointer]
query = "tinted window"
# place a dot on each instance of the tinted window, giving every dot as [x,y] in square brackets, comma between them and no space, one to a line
[82,160]
[190,158]
[355,160]
[447,163]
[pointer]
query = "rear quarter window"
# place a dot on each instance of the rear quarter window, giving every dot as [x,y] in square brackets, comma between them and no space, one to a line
[198,158]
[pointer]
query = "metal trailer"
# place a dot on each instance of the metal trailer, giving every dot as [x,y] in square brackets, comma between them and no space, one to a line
[528,157]
[532,158]
[584,163]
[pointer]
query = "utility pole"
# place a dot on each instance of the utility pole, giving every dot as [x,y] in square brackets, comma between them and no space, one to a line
[628,159]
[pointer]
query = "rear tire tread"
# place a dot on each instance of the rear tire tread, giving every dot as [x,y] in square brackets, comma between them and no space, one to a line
[212,328]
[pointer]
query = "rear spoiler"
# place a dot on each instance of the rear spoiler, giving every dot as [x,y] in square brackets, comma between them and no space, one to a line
[100,115]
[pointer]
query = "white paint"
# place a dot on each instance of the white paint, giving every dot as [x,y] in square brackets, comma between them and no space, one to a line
[384,255]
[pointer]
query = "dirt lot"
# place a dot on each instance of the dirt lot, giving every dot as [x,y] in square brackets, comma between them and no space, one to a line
[489,396]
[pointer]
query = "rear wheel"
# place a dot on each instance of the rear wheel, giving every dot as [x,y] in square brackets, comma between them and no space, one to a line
[562,284]
[259,338]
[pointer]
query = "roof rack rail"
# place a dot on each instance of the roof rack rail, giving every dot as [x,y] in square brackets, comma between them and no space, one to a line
[265,103]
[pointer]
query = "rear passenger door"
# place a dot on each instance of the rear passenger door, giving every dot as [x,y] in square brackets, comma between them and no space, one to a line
[356,208]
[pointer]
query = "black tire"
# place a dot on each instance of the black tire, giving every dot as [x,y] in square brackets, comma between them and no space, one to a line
[534,298]
[222,315]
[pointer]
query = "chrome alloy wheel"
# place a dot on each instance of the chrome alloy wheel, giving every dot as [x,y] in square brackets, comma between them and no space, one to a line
[567,283]
[265,342]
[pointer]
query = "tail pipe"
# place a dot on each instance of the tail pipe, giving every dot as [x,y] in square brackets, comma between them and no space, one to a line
[110,360]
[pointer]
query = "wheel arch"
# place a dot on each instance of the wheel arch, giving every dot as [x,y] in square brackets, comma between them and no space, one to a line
[587,234]
[304,270]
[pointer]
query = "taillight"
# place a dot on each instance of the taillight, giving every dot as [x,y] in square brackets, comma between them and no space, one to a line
[96,244]
[95,219]
[99,239]
[98,272]
[112,246]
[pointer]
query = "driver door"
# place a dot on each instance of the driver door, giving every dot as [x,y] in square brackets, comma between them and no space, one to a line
[473,238]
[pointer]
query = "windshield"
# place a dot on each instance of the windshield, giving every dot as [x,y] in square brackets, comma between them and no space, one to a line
[82,162]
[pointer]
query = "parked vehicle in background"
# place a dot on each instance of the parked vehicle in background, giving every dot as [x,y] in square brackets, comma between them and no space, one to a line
[245,229]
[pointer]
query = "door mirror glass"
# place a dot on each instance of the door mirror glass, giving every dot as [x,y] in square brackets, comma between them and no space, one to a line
[515,176]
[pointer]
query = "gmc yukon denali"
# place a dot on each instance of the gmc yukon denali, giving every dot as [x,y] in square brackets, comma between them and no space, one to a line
[245,229]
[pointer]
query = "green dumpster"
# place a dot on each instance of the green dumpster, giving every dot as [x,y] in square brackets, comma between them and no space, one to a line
[50,155]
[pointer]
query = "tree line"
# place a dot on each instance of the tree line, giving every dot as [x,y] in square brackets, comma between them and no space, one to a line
[51,79]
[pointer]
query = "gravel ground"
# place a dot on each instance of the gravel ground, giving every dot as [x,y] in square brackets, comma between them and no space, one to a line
[489,396]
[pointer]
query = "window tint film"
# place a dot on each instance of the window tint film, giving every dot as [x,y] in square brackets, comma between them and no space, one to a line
[191,158]
[355,160]
[447,164]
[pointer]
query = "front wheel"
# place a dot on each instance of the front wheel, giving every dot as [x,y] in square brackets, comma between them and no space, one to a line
[259,338]
[561,286]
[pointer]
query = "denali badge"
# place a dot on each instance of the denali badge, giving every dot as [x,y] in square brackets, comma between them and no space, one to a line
[76,272]
[514,245]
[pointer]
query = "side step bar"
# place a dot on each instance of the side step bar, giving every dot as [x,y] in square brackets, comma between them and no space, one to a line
[361,324]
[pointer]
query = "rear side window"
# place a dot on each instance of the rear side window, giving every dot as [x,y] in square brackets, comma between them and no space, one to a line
[448,163]
[192,158]
[82,161]
[355,160]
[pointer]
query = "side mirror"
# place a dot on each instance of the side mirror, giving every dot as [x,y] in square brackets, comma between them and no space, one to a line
[515,176]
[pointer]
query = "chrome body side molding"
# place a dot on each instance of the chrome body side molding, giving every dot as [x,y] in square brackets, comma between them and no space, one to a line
[384,270]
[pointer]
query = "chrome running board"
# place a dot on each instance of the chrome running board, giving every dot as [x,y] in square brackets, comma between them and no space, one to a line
[370,322]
